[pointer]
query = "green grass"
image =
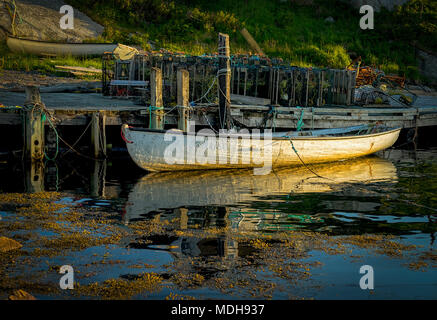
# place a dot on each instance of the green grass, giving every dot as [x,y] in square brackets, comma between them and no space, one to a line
[289,30]
[296,33]
[28,63]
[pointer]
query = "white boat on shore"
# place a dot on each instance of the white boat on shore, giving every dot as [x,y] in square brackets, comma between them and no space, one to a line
[36,47]
[174,150]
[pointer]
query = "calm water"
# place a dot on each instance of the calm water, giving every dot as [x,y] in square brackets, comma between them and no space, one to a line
[394,193]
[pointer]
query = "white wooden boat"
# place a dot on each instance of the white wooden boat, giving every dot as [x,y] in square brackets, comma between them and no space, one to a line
[37,47]
[170,190]
[148,148]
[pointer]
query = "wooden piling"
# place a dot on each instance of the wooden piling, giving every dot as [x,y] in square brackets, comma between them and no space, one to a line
[183,88]
[33,125]
[224,77]
[156,104]
[98,134]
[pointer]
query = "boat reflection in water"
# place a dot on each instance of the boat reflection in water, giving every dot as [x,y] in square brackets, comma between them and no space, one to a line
[170,190]
[226,198]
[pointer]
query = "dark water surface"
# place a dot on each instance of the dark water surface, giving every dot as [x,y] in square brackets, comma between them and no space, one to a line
[389,199]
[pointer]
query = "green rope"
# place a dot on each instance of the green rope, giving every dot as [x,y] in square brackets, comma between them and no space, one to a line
[305,165]
[300,123]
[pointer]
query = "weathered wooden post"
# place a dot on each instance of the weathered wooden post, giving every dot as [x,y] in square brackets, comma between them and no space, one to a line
[95,134]
[183,86]
[33,125]
[156,111]
[98,134]
[224,77]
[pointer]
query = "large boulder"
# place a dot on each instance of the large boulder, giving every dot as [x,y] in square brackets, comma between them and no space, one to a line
[39,19]
[376,4]
[428,64]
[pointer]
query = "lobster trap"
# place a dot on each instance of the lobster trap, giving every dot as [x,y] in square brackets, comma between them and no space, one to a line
[251,76]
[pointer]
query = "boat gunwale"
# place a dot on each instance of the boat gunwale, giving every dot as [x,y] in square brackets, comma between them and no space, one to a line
[311,138]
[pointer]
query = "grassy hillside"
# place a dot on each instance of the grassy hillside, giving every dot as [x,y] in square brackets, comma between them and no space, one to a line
[294,30]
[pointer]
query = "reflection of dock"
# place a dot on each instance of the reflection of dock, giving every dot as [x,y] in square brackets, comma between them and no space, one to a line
[221,245]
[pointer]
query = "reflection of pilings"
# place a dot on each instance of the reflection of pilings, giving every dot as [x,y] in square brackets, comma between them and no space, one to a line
[230,248]
[223,247]
[222,217]
[34,176]
[97,187]
[182,215]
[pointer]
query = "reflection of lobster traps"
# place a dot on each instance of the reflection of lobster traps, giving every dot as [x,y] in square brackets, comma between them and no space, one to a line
[276,83]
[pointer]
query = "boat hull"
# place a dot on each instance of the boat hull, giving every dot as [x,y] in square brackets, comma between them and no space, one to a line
[148,150]
[52,48]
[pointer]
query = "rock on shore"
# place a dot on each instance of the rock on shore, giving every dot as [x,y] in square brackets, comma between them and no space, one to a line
[7,244]
[21,295]
[39,19]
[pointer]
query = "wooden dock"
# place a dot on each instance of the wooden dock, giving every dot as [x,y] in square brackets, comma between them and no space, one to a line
[72,109]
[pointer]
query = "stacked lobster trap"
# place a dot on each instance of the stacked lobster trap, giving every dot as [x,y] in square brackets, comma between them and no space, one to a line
[251,76]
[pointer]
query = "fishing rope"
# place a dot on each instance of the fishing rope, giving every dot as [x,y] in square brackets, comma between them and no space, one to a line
[274,113]
[206,93]
[352,185]
[44,109]
[80,137]
[305,165]
[300,123]
[207,121]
